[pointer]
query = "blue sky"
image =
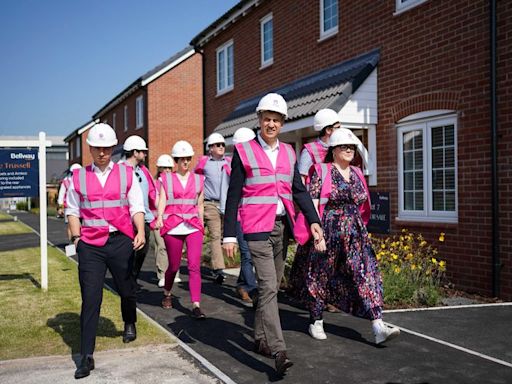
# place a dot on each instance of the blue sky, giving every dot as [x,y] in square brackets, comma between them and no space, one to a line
[62,60]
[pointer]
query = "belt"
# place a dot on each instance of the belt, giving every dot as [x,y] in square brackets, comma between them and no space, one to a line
[213,201]
[114,233]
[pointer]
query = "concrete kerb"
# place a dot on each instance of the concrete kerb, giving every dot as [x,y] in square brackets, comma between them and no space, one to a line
[196,356]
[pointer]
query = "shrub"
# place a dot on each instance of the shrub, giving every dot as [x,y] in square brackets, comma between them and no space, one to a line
[411,269]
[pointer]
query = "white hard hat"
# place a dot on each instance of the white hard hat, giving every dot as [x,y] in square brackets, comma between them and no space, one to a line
[101,135]
[343,136]
[215,138]
[242,135]
[182,148]
[273,102]
[165,161]
[135,142]
[324,118]
[74,166]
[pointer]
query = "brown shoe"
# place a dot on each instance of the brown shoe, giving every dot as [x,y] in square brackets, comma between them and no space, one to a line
[198,314]
[243,295]
[167,302]
[331,308]
[283,363]
[261,347]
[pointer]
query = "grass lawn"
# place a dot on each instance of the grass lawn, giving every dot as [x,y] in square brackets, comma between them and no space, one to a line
[35,323]
[13,228]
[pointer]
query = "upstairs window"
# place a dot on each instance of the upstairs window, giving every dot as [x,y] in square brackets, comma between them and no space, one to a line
[114,118]
[125,118]
[427,153]
[328,18]
[77,147]
[267,40]
[404,5]
[139,112]
[225,78]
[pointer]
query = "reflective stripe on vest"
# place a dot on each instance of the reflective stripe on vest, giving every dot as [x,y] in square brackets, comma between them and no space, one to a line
[170,198]
[86,204]
[95,223]
[256,178]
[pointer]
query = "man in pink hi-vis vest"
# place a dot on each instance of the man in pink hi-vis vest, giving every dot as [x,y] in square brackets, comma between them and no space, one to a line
[265,183]
[103,205]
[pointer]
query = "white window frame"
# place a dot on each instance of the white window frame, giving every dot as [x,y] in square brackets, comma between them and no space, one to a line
[263,22]
[324,34]
[125,118]
[405,5]
[425,125]
[77,147]
[224,50]
[139,112]
[114,118]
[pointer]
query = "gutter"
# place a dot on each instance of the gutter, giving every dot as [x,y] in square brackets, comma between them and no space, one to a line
[496,263]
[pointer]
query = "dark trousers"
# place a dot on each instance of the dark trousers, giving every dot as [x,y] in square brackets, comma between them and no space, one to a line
[117,256]
[140,255]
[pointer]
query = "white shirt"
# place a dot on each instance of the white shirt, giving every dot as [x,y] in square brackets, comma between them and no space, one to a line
[272,156]
[135,199]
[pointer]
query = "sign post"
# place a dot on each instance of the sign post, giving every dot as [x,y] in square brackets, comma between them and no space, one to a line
[18,178]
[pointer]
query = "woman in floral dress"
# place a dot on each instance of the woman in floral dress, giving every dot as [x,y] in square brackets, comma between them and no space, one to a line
[347,274]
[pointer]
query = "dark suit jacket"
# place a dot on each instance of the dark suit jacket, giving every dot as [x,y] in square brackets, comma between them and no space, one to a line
[300,196]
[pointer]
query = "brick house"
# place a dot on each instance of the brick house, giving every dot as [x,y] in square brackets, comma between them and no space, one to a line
[414,80]
[163,106]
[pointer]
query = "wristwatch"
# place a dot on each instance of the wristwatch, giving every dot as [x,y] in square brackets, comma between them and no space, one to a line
[73,238]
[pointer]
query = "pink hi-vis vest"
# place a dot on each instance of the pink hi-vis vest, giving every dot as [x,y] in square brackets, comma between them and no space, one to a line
[199,169]
[264,185]
[317,151]
[65,184]
[101,206]
[301,230]
[181,204]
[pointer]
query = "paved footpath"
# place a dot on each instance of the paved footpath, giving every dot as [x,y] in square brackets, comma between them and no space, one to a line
[451,345]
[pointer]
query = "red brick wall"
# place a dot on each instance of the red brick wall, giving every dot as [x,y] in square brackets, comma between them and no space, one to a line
[434,56]
[175,110]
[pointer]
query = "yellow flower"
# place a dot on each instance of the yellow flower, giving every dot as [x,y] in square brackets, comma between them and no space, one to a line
[394,256]
[434,260]
[441,237]
[397,269]
[383,246]
[370,235]
[442,263]
[413,266]
[409,256]
[404,230]
[423,243]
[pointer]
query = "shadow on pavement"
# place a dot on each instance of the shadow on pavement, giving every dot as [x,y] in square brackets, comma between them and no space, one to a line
[67,325]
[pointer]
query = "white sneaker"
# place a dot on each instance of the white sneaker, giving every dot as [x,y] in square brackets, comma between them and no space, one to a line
[161,282]
[177,279]
[317,330]
[385,333]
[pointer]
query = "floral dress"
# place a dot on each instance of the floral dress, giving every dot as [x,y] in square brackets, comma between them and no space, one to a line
[347,274]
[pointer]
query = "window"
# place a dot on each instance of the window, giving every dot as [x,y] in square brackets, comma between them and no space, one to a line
[77,147]
[71,152]
[125,118]
[114,116]
[139,112]
[267,40]
[328,18]
[225,78]
[404,5]
[427,153]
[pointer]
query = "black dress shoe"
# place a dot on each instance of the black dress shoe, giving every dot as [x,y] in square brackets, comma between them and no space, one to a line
[283,363]
[85,367]
[220,278]
[261,347]
[130,333]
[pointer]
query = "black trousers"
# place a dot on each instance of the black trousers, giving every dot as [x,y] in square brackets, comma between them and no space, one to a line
[140,255]
[117,256]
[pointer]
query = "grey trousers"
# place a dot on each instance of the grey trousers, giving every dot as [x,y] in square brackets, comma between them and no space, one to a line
[269,259]
[158,244]
[213,221]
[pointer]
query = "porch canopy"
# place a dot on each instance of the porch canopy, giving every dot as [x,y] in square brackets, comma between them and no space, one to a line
[328,88]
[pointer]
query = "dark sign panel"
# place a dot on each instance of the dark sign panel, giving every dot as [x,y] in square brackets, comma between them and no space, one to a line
[19,173]
[379,220]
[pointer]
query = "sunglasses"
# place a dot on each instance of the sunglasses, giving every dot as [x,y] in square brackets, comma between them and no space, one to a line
[218,145]
[345,147]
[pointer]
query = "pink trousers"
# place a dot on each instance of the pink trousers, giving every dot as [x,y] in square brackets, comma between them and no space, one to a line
[174,247]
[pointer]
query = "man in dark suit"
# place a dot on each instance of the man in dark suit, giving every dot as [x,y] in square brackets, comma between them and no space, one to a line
[265,181]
